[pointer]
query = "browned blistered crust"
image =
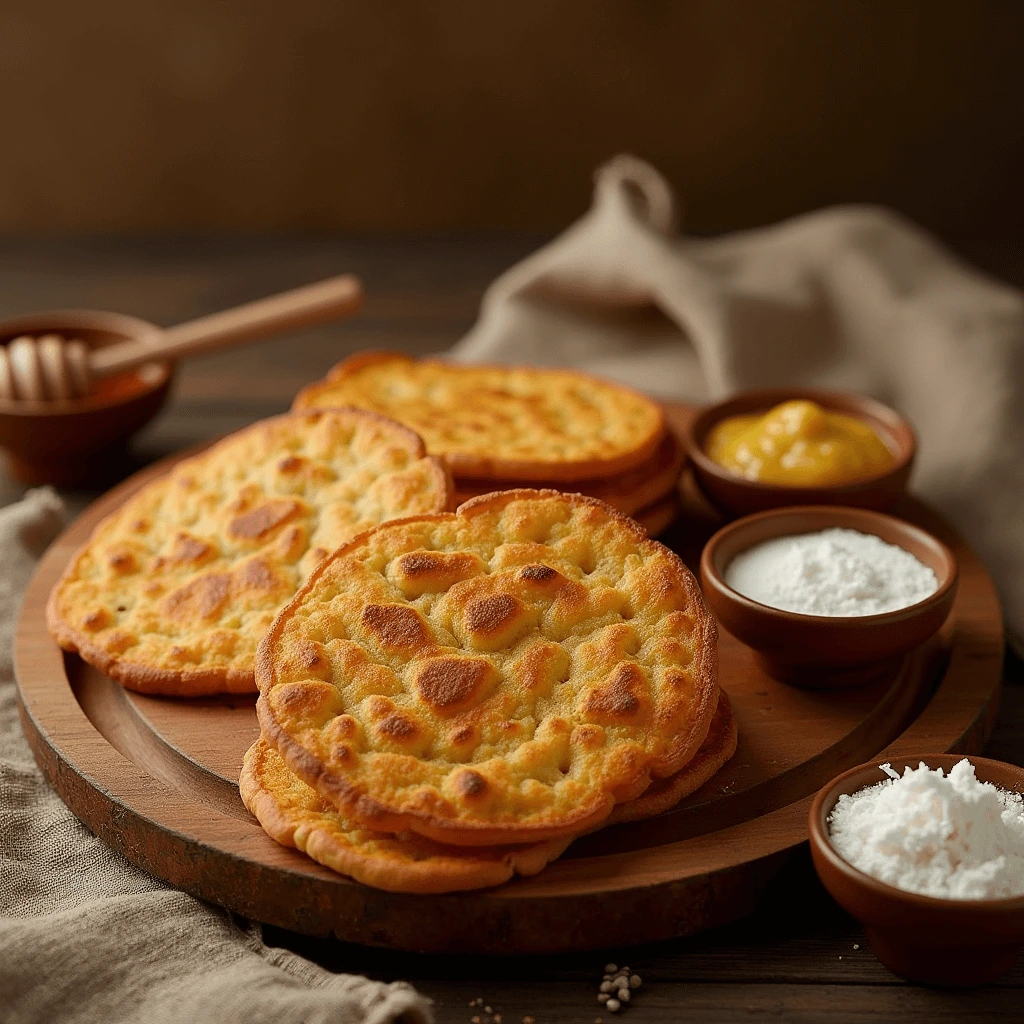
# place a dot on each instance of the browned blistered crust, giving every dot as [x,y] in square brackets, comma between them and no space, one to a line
[295,815]
[663,794]
[570,663]
[172,592]
[502,422]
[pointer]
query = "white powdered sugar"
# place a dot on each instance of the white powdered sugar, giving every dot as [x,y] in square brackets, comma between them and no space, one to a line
[831,572]
[950,836]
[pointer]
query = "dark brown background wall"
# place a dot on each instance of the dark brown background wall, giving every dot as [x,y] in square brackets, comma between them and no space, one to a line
[435,115]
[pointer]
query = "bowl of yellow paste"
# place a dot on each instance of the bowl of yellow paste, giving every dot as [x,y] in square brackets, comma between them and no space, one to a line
[800,446]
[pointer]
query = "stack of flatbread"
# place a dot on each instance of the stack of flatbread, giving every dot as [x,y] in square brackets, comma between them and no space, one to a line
[501,427]
[447,698]
[453,698]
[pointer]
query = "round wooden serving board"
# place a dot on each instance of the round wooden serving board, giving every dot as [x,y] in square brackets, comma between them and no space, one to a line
[157,780]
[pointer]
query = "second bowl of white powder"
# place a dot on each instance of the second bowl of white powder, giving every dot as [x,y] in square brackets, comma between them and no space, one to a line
[928,853]
[828,596]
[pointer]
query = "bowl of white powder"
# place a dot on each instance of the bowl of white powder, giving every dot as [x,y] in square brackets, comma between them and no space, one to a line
[828,597]
[928,853]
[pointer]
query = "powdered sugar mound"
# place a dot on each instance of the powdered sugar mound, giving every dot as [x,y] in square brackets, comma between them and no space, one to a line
[940,835]
[831,572]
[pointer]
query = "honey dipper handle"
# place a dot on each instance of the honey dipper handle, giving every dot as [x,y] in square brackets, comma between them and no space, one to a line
[317,303]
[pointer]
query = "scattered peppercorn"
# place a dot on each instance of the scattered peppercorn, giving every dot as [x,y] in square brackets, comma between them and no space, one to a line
[617,986]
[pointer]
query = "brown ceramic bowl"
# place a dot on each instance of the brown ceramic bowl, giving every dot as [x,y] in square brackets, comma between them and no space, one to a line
[823,651]
[67,442]
[738,496]
[923,938]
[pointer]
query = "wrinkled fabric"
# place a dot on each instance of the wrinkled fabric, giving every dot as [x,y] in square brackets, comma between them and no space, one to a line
[86,937]
[850,297]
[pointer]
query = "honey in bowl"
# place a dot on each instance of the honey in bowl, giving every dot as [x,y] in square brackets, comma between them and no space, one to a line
[123,385]
[799,444]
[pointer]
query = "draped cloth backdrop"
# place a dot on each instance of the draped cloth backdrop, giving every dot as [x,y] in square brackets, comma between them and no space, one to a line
[852,297]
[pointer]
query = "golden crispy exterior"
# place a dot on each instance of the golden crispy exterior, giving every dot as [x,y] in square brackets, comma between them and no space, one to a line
[295,815]
[627,492]
[173,592]
[663,794]
[655,519]
[506,673]
[501,422]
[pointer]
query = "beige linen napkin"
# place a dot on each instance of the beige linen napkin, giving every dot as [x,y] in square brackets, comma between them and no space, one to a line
[86,937]
[850,297]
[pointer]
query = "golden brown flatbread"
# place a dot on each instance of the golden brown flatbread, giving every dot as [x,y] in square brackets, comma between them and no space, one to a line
[629,492]
[663,794]
[173,592]
[295,815]
[506,673]
[501,422]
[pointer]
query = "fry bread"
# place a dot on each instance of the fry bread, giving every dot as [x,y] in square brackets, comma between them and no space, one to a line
[663,794]
[295,815]
[501,422]
[506,673]
[174,590]
[627,492]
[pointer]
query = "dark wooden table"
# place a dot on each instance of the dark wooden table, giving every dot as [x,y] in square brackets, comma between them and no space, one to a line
[799,958]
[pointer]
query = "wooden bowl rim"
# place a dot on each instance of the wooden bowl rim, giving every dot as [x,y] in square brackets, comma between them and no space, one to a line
[830,515]
[902,437]
[828,795]
[98,320]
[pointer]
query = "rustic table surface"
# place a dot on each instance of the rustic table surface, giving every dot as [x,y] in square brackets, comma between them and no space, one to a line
[800,958]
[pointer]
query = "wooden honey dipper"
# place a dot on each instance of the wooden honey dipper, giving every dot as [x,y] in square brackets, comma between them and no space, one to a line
[50,367]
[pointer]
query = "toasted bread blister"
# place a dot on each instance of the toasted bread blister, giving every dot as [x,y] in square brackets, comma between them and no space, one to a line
[296,815]
[173,592]
[503,423]
[504,674]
